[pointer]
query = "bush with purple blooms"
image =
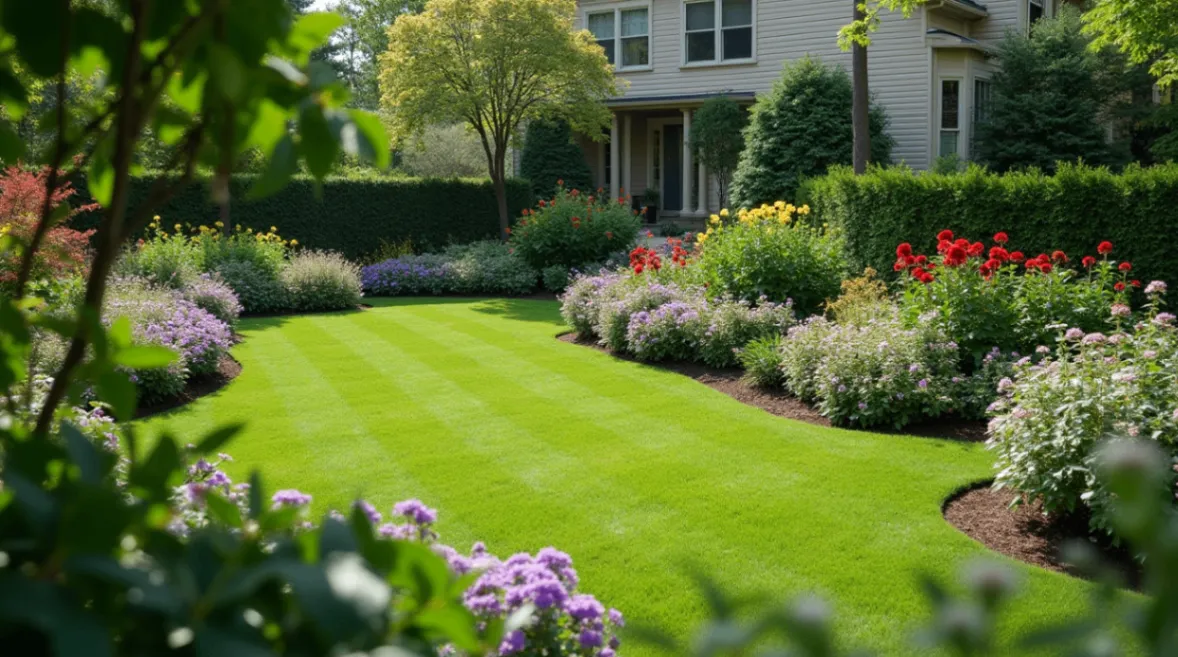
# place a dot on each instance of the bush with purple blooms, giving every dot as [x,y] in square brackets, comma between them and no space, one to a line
[478,268]
[564,620]
[210,293]
[1053,416]
[585,296]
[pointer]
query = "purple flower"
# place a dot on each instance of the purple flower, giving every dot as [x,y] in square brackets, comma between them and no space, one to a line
[590,639]
[1164,319]
[1121,310]
[512,643]
[1074,334]
[399,532]
[922,384]
[616,618]
[415,511]
[290,497]
[1156,288]
[373,515]
[862,406]
[1094,338]
[1005,385]
[584,608]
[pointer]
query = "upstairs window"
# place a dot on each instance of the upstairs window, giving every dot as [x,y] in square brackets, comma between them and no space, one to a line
[716,31]
[624,34]
[1036,10]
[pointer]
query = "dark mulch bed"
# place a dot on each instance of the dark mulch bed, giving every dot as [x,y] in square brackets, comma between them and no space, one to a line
[782,404]
[1024,533]
[227,369]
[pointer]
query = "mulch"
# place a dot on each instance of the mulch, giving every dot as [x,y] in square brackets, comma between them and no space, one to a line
[227,369]
[979,511]
[730,381]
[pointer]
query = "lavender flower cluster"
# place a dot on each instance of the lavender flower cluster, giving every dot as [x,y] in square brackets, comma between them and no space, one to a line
[564,622]
[479,268]
[211,294]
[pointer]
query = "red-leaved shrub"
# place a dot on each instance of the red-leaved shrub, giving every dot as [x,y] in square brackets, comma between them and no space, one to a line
[64,251]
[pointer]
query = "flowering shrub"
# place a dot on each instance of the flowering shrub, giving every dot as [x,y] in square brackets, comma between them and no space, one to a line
[671,331]
[479,268]
[1053,416]
[321,280]
[159,317]
[564,622]
[733,324]
[64,252]
[769,252]
[259,289]
[880,373]
[993,296]
[863,299]
[574,229]
[210,293]
[585,296]
[634,296]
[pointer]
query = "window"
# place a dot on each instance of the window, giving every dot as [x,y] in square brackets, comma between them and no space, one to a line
[625,32]
[718,31]
[982,94]
[950,117]
[1035,10]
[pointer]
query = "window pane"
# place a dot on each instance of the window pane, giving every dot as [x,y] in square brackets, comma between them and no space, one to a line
[701,47]
[634,22]
[608,46]
[1036,10]
[701,16]
[737,13]
[602,25]
[948,143]
[738,43]
[950,91]
[981,95]
[636,51]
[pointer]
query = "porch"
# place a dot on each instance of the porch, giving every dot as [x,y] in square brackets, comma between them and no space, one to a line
[649,148]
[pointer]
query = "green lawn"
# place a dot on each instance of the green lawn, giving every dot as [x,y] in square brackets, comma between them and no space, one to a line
[642,475]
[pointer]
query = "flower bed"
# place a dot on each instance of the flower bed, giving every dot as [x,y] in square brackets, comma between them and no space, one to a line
[479,268]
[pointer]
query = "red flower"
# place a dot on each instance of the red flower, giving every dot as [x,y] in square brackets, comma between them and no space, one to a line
[1104,248]
[921,260]
[956,256]
[1000,254]
[1135,283]
[1119,287]
[904,250]
[976,249]
[1059,256]
[943,246]
[946,235]
[1045,267]
[1001,238]
[992,264]
[1017,256]
[508,230]
[1125,266]
[560,182]
[638,268]
[899,266]
[1088,261]
[543,203]
[909,261]
[609,234]
[962,242]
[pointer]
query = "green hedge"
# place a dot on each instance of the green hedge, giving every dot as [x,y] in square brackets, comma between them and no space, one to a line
[1073,210]
[352,215]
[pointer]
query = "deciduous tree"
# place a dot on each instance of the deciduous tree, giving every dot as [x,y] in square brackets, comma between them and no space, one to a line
[1146,31]
[717,139]
[494,64]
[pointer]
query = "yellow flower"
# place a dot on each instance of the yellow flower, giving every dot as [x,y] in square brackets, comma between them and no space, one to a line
[724,212]
[805,209]
[219,224]
[294,242]
[273,229]
[780,205]
[177,228]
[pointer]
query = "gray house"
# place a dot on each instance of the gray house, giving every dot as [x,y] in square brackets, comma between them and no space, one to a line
[930,71]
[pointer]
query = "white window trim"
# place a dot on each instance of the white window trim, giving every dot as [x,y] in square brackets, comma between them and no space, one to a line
[719,30]
[940,111]
[617,10]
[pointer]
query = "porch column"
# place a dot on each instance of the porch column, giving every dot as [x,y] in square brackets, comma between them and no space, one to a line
[627,154]
[703,190]
[614,175]
[687,204]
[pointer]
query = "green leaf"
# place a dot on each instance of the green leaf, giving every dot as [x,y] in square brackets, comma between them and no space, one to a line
[98,33]
[12,147]
[269,126]
[37,506]
[452,623]
[224,510]
[152,595]
[115,388]
[143,357]
[256,503]
[310,32]
[153,474]
[228,74]
[13,94]
[36,26]
[419,570]
[187,94]
[286,70]
[317,143]
[90,461]
[283,164]
[367,139]
[120,333]
[218,437]
[101,178]
[42,605]
[222,641]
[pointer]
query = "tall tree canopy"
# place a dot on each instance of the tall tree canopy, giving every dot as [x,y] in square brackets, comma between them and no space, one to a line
[494,64]
[1146,31]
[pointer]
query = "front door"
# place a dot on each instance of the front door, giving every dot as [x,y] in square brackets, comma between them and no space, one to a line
[672,168]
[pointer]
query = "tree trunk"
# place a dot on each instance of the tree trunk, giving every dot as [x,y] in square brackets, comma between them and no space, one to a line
[860,109]
[499,181]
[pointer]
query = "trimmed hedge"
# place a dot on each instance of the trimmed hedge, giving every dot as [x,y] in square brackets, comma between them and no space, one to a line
[1073,210]
[352,215]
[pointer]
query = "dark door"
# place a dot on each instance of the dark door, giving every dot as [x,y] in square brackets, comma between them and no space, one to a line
[673,168]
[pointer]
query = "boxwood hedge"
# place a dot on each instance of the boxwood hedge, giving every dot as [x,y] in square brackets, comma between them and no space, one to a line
[352,215]
[1073,210]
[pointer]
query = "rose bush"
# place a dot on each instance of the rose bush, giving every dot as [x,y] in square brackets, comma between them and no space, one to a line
[574,229]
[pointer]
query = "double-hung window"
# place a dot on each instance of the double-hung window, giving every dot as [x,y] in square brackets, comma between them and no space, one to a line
[624,34]
[718,31]
[1036,10]
[950,116]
